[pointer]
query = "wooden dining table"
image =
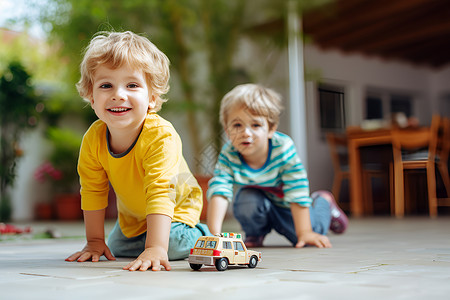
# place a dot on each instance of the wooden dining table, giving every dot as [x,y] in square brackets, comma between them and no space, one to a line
[357,138]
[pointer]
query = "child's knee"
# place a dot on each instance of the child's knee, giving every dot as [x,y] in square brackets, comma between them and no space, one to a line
[250,203]
[113,247]
[115,241]
[129,248]
[182,239]
[121,246]
[179,247]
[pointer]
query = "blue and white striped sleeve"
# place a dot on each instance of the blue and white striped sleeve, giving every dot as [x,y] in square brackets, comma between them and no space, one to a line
[295,180]
[222,182]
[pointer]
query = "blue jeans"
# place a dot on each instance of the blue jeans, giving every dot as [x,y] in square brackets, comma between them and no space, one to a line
[182,238]
[258,215]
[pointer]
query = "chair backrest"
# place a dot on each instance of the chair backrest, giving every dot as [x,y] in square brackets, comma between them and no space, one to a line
[443,139]
[419,139]
[411,139]
[338,150]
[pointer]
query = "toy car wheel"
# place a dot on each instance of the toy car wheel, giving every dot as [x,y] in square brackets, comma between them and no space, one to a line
[195,267]
[221,264]
[253,262]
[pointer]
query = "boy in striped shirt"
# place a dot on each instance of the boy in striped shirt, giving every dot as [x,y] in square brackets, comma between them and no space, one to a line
[273,188]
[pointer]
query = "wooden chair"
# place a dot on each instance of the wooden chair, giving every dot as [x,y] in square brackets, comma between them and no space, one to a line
[415,149]
[339,157]
[442,154]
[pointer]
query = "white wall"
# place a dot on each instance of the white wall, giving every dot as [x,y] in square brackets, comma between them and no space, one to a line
[440,90]
[357,73]
[27,191]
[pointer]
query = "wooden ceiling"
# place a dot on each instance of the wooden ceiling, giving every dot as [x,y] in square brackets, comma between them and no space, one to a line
[415,31]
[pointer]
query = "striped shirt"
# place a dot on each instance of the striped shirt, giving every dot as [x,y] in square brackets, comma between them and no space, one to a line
[283,177]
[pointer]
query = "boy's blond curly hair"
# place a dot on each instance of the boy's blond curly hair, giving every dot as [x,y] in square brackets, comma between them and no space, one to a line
[257,99]
[116,49]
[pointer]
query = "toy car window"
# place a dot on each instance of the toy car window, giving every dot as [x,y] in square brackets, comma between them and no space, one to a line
[200,244]
[210,244]
[238,246]
[227,245]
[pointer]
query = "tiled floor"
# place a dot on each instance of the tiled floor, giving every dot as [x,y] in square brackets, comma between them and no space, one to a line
[377,258]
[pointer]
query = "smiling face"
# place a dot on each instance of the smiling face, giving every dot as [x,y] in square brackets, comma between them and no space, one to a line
[121,98]
[250,135]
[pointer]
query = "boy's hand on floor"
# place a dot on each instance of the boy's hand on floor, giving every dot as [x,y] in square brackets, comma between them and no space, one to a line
[313,239]
[93,250]
[153,257]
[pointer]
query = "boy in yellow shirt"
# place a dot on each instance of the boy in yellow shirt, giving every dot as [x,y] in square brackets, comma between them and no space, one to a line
[123,76]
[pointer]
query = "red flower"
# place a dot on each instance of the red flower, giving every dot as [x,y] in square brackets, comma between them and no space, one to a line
[47,170]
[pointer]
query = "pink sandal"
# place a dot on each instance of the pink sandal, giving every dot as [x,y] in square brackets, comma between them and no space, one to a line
[339,220]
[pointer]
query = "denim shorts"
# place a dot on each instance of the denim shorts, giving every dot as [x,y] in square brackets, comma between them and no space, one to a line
[182,238]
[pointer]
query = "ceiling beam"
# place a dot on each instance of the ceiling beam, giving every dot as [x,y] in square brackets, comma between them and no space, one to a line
[315,19]
[363,14]
[414,27]
[412,30]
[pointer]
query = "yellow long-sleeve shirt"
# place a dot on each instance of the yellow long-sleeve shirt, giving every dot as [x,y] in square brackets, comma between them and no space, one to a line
[151,177]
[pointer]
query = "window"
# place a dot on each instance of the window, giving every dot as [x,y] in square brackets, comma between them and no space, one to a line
[200,244]
[331,107]
[238,246]
[382,104]
[227,245]
[211,245]
[374,108]
[401,103]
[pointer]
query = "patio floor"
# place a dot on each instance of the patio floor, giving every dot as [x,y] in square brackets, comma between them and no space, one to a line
[377,258]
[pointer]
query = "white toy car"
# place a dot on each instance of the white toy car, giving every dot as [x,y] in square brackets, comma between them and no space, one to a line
[222,250]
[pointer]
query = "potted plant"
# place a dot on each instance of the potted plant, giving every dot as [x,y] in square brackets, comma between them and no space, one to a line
[61,170]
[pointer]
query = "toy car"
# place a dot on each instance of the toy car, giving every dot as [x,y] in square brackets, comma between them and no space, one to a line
[222,250]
